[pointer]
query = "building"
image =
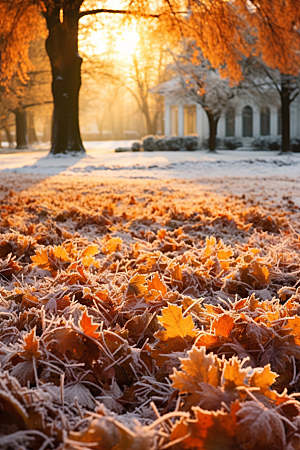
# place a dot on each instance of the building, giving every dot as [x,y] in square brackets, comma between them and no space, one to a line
[245,118]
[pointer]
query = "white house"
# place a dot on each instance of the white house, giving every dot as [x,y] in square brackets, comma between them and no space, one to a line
[245,118]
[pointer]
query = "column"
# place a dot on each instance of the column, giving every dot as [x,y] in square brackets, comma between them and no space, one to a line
[180,121]
[273,122]
[238,123]
[199,123]
[167,119]
[221,126]
[293,119]
[256,122]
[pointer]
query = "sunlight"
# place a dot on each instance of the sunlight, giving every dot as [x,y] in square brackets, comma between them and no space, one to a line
[96,41]
[127,41]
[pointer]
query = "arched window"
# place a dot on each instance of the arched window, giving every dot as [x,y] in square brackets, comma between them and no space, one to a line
[279,122]
[230,122]
[265,121]
[247,121]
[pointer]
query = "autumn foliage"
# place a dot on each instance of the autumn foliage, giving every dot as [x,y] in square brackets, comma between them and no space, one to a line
[171,321]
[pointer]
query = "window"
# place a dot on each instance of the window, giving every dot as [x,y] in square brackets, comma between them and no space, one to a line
[230,122]
[265,121]
[279,121]
[247,121]
[174,120]
[189,119]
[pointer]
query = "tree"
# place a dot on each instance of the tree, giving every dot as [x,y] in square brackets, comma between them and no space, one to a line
[221,29]
[201,83]
[22,97]
[146,69]
[286,85]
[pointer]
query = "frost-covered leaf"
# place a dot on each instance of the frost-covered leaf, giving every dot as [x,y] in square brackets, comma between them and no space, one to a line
[260,428]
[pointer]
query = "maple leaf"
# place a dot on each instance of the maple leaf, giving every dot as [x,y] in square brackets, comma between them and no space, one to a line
[175,324]
[260,428]
[88,260]
[208,431]
[112,245]
[263,378]
[31,345]
[106,433]
[234,374]
[196,369]
[210,243]
[207,340]
[90,250]
[88,327]
[136,285]
[60,253]
[294,324]
[41,257]
[63,340]
[156,284]
[223,325]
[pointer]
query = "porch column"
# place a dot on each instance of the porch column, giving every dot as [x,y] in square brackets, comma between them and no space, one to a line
[238,123]
[221,131]
[256,122]
[199,123]
[167,119]
[273,122]
[180,121]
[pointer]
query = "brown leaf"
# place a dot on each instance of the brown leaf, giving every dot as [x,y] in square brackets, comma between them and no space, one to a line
[260,428]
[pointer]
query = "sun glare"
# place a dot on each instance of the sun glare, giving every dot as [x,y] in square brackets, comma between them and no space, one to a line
[121,43]
[127,41]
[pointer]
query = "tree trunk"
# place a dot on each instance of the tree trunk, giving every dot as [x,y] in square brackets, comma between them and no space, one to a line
[32,138]
[150,124]
[285,117]
[62,49]
[21,129]
[213,125]
[8,136]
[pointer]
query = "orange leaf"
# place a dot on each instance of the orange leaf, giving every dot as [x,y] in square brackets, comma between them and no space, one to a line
[210,243]
[88,327]
[223,325]
[175,324]
[208,431]
[90,250]
[112,245]
[31,345]
[196,369]
[136,285]
[156,284]
[40,258]
[60,253]
[88,260]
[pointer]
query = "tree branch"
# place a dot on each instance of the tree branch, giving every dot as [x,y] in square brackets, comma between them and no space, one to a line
[114,11]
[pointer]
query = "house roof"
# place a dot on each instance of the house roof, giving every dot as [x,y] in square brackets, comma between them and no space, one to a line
[173,85]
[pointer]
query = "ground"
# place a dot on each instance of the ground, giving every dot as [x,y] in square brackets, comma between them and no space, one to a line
[142,312]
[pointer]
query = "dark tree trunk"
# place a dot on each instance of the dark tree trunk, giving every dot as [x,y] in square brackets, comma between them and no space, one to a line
[213,125]
[21,129]
[32,138]
[285,117]
[8,136]
[150,124]
[62,49]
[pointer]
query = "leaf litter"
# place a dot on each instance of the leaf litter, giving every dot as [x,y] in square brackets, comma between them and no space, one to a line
[138,317]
